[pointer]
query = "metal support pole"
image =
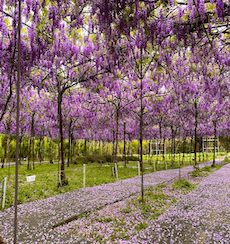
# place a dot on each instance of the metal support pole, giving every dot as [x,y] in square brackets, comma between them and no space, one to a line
[17,123]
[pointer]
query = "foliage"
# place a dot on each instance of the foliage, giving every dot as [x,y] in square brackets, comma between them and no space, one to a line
[227,159]
[183,184]
[205,171]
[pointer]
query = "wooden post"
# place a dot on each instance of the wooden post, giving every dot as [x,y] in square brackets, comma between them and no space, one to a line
[139,169]
[4,192]
[84,174]
[116,171]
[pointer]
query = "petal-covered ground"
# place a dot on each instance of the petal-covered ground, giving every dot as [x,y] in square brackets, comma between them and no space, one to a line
[203,216]
[37,219]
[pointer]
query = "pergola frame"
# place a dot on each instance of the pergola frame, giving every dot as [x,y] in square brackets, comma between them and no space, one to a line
[208,144]
[157,147]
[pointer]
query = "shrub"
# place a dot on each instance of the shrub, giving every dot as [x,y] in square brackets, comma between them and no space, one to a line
[227,159]
[131,158]
[183,184]
[102,159]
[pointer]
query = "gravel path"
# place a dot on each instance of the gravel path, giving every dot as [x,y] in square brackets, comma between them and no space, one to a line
[203,216]
[36,219]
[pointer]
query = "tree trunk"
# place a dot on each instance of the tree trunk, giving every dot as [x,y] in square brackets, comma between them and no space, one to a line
[20,148]
[40,149]
[73,144]
[85,147]
[191,151]
[199,149]
[69,143]
[141,141]
[195,135]
[50,151]
[124,149]
[163,154]
[159,144]
[31,145]
[183,148]
[214,146]
[33,153]
[172,147]
[29,155]
[113,145]
[8,154]
[63,180]
[5,141]
[202,149]
[17,154]
[116,139]
[141,126]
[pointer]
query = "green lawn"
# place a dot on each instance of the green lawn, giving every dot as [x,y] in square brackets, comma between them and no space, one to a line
[45,184]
